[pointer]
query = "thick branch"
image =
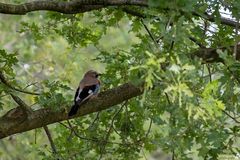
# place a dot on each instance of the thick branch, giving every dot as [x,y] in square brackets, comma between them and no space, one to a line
[208,17]
[81,6]
[223,20]
[75,6]
[21,104]
[210,55]
[43,117]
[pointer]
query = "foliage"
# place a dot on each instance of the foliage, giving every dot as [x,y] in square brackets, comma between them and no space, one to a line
[7,61]
[189,109]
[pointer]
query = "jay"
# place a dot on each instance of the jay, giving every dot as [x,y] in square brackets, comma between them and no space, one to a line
[88,87]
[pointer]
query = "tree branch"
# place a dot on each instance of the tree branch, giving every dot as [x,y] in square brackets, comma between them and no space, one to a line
[81,6]
[223,20]
[210,55]
[45,116]
[108,133]
[232,117]
[25,108]
[72,129]
[4,81]
[71,7]
[21,104]
[54,150]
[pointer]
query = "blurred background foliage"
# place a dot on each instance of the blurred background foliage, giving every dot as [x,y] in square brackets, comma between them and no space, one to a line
[184,110]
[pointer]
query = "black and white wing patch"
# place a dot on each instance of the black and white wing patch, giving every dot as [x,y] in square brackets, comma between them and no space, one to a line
[82,94]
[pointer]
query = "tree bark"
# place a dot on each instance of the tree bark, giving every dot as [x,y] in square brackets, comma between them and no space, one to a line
[14,121]
[210,55]
[75,6]
[81,6]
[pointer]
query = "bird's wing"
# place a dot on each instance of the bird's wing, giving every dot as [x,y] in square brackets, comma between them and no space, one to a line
[96,89]
[85,93]
[77,95]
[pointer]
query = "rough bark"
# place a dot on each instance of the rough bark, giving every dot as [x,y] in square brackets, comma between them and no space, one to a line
[14,121]
[210,55]
[222,20]
[75,6]
[81,6]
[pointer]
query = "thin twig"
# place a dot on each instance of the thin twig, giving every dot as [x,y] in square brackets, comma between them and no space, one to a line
[31,84]
[64,125]
[35,136]
[146,135]
[109,130]
[20,102]
[26,109]
[144,155]
[4,81]
[210,74]
[3,95]
[236,44]
[197,42]
[89,139]
[149,33]
[173,154]
[149,128]
[229,115]
[95,119]
[236,78]
[169,102]
[54,150]
[116,131]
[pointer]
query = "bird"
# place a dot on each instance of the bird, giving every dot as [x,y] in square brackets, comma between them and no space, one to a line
[88,87]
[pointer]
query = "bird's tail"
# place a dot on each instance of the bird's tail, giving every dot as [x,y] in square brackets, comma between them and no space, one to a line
[73,110]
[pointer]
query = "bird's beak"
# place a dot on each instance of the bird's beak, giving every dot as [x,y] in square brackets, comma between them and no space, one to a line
[100,74]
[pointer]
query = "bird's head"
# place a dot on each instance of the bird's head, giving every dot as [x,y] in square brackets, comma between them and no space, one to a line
[92,74]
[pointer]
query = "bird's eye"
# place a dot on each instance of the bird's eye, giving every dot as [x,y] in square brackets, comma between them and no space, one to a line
[96,75]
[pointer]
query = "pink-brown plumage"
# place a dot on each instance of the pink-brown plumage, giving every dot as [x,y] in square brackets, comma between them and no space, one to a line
[89,78]
[88,87]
